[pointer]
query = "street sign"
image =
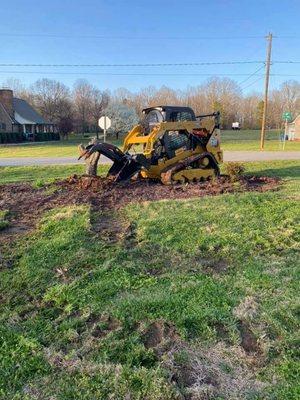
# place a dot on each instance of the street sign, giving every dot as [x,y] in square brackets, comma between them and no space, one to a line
[104,123]
[287,116]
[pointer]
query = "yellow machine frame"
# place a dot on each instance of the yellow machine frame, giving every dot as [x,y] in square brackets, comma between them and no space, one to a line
[137,137]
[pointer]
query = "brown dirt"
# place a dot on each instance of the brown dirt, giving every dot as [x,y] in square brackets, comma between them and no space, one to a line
[116,195]
[26,205]
[157,333]
[248,340]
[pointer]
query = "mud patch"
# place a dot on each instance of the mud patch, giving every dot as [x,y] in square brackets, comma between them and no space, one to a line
[26,205]
[212,266]
[120,194]
[160,336]
[249,341]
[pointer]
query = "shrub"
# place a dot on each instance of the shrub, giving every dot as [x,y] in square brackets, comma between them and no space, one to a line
[13,137]
[234,170]
[3,219]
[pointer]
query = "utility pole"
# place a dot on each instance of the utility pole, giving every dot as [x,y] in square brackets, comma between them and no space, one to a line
[264,116]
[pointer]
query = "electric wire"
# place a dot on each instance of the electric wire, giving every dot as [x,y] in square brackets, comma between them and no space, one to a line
[252,83]
[250,76]
[132,65]
[119,73]
[124,37]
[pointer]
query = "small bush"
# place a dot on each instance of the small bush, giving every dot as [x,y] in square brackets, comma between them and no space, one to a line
[3,220]
[11,137]
[234,170]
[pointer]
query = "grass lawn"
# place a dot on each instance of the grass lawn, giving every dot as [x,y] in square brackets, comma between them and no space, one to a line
[43,174]
[63,148]
[232,140]
[202,302]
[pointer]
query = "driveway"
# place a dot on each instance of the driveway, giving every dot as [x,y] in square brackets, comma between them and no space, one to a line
[242,156]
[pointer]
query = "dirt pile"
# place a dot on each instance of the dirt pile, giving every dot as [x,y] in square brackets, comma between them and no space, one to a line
[116,195]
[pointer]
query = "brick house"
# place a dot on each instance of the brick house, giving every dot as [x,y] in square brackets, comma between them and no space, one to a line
[16,115]
[293,129]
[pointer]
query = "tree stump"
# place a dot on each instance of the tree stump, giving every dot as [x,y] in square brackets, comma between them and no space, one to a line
[91,163]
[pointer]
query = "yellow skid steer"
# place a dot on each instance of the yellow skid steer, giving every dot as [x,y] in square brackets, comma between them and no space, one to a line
[171,144]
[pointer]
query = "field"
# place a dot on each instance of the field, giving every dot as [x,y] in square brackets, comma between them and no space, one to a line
[173,299]
[232,140]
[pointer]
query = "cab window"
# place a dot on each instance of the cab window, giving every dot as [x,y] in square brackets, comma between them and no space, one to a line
[181,116]
[151,119]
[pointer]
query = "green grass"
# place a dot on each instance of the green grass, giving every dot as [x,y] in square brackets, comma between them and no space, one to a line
[43,174]
[66,284]
[63,148]
[3,219]
[252,145]
[231,140]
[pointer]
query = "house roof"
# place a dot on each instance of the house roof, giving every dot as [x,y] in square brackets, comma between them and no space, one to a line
[27,112]
[9,116]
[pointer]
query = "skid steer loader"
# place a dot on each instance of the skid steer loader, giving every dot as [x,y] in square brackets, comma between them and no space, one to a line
[171,144]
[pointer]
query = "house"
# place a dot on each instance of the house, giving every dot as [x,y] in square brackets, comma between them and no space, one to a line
[293,129]
[18,116]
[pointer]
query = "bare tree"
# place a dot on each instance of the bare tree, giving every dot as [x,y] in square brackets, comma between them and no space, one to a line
[291,96]
[51,98]
[82,97]
[82,107]
[248,111]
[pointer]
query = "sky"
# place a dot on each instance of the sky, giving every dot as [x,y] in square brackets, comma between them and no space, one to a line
[143,32]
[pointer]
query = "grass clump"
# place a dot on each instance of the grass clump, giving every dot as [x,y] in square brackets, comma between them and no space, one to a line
[40,176]
[3,219]
[234,170]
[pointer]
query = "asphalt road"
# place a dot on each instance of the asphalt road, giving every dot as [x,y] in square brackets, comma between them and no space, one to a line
[242,156]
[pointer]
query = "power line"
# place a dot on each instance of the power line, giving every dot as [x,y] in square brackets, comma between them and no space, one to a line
[185,64]
[147,74]
[252,83]
[119,73]
[286,62]
[254,73]
[141,74]
[132,65]
[54,35]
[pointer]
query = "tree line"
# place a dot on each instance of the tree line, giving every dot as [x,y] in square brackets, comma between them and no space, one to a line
[78,109]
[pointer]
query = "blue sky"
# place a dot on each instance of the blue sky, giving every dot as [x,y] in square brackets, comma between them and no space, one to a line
[122,32]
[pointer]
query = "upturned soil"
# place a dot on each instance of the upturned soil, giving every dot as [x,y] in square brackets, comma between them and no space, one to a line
[26,204]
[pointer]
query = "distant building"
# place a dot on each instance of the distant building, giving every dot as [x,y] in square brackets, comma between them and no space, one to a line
[16,115]
[293,129]
[235,126]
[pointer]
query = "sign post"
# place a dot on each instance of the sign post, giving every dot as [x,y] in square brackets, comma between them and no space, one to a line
[287,117]
[104,123]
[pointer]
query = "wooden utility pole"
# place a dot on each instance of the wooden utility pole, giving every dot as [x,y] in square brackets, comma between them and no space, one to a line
[264,116]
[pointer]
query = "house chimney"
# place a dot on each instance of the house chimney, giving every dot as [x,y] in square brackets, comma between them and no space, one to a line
[6,99]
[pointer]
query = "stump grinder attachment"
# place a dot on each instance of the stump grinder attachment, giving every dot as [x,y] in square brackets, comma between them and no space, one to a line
[171,144]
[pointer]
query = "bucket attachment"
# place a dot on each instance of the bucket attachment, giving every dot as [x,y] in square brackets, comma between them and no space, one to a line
[124,165]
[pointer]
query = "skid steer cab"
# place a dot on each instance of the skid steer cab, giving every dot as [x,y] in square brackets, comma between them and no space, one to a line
[170,144]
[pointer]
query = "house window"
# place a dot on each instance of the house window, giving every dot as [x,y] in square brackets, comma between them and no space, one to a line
[3,127]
